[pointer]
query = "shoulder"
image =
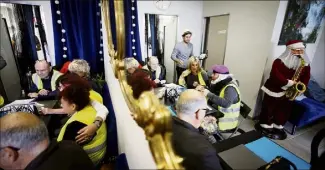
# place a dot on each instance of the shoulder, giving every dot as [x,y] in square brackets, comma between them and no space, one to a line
[95,96]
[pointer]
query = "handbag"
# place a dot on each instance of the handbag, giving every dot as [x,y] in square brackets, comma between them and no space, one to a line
[278,163]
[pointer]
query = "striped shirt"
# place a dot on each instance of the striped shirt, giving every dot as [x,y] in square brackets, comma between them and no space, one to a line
[182,52]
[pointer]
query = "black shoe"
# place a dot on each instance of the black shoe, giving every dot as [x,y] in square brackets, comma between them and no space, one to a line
[279,134]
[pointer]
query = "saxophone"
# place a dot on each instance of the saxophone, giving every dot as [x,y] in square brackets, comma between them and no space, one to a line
[299,88]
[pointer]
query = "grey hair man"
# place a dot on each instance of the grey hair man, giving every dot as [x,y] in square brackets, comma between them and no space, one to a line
[188,142]
[80,67]
[25,145]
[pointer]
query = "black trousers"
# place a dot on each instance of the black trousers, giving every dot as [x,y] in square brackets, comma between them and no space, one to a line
[179,71]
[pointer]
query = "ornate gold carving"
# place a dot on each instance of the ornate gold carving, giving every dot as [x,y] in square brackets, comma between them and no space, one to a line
[147,111]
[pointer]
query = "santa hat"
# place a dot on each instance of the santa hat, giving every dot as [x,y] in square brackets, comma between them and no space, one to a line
[295,44]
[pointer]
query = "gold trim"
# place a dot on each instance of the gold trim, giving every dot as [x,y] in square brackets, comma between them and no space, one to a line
[154,118]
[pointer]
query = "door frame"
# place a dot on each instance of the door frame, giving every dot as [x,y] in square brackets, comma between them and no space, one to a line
[206,35]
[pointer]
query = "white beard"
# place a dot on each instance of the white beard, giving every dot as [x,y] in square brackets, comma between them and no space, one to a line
[220,78]
[292,62]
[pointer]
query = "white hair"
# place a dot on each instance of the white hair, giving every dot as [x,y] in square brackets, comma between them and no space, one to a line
[131,63]
[189,102]
[292,61]
[79,66]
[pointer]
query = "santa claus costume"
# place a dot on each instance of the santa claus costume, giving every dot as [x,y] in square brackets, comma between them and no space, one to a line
[276,107]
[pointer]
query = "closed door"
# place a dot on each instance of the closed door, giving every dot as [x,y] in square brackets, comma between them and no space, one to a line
[170,30]
[216,40]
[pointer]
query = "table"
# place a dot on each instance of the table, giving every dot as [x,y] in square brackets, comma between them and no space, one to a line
[259,145]
[48,104]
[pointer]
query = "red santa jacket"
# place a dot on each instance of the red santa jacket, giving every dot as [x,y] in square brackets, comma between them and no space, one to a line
[279,78]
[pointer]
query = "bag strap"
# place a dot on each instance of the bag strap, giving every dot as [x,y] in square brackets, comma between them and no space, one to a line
[315,144]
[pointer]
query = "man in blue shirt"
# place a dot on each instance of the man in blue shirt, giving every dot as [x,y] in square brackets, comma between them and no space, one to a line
[44,80]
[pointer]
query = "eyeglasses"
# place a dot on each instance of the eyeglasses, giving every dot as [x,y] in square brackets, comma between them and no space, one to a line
[205,109]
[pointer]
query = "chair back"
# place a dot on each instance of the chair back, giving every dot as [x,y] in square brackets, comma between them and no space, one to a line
[244,109]
[315,159]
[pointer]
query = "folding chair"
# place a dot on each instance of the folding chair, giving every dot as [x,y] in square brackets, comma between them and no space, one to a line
[244,111]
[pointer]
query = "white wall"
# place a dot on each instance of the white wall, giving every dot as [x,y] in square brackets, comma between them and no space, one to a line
[131,138]
[189,17]
[46,6]
[318,63]
[248,44]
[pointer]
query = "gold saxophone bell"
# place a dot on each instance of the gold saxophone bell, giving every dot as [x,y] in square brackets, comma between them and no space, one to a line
[296,90]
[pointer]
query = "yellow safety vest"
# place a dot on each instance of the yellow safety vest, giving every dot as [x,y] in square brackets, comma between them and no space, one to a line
[96,148]
[181,80]
[2,101]
[93,95]
[231,114]
[38,81]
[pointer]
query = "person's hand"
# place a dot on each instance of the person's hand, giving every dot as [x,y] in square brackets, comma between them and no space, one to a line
[195,84]
[32,95]
[46,111]
[86,133]
[43,92]
[180,62]
[206,92]
[210,119]
[199,88]
[157,81]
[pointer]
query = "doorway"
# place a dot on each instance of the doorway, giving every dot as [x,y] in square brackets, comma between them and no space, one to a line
[215,39]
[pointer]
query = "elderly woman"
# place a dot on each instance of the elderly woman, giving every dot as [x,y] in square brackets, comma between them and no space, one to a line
[75,102]
[194,75]
[82,68]
[96,101]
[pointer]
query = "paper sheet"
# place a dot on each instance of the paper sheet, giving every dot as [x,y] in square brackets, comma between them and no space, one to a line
[21,102]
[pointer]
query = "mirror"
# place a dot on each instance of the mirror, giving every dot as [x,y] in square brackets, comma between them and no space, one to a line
[153,117]
[160,39]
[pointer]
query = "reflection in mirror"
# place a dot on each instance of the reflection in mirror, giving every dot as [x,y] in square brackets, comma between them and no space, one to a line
[160,39]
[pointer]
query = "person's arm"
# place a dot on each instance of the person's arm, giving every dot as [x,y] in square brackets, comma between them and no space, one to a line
[47,111]
[71,131]
[278,76]
[101,110]
[205,78]
[230,97]
[181,80]
[53,93]
[175,53]
[33,88]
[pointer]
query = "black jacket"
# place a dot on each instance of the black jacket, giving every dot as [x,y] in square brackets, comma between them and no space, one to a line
[65,155]
[195,148]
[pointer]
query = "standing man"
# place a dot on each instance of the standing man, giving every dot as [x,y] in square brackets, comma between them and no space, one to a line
[188,142]
[44,80]
[291,67]
[182,52]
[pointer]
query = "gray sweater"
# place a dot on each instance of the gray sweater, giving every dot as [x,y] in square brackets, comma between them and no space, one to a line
[231,97]
[182,52]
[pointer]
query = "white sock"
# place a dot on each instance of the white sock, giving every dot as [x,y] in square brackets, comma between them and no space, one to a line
[277,126]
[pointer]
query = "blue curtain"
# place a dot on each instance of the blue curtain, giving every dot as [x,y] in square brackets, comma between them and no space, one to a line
[152,23]
[132,37]
[79,34]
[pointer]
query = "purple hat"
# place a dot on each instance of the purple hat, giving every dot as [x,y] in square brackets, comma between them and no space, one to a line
[220,69]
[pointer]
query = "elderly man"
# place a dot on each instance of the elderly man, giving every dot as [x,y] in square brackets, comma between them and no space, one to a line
[154,68]
[82,68]
[44,80]
[182,52]
[224,94]
[291,67]
[188,142]
[25,145]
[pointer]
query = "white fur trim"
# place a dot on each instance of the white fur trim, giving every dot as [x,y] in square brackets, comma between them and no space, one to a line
[277,126]
[266,126]
[296,45]
[273,94]
[289,84]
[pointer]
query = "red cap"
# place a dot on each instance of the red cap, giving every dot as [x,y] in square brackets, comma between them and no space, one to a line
[293,42]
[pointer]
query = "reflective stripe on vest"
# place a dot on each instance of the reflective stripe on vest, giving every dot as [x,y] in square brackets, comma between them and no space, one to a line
[38,81]
[181,80]
[231,114]
[96,148]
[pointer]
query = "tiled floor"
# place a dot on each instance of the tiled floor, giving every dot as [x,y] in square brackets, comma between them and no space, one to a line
[300,142]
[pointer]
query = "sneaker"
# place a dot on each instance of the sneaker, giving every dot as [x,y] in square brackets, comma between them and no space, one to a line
[277,126]
[266,126]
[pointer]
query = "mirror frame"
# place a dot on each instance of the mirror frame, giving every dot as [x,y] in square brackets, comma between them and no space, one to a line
[154,118]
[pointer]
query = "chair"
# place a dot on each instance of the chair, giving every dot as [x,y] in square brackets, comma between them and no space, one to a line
[315,160]
[244,111]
